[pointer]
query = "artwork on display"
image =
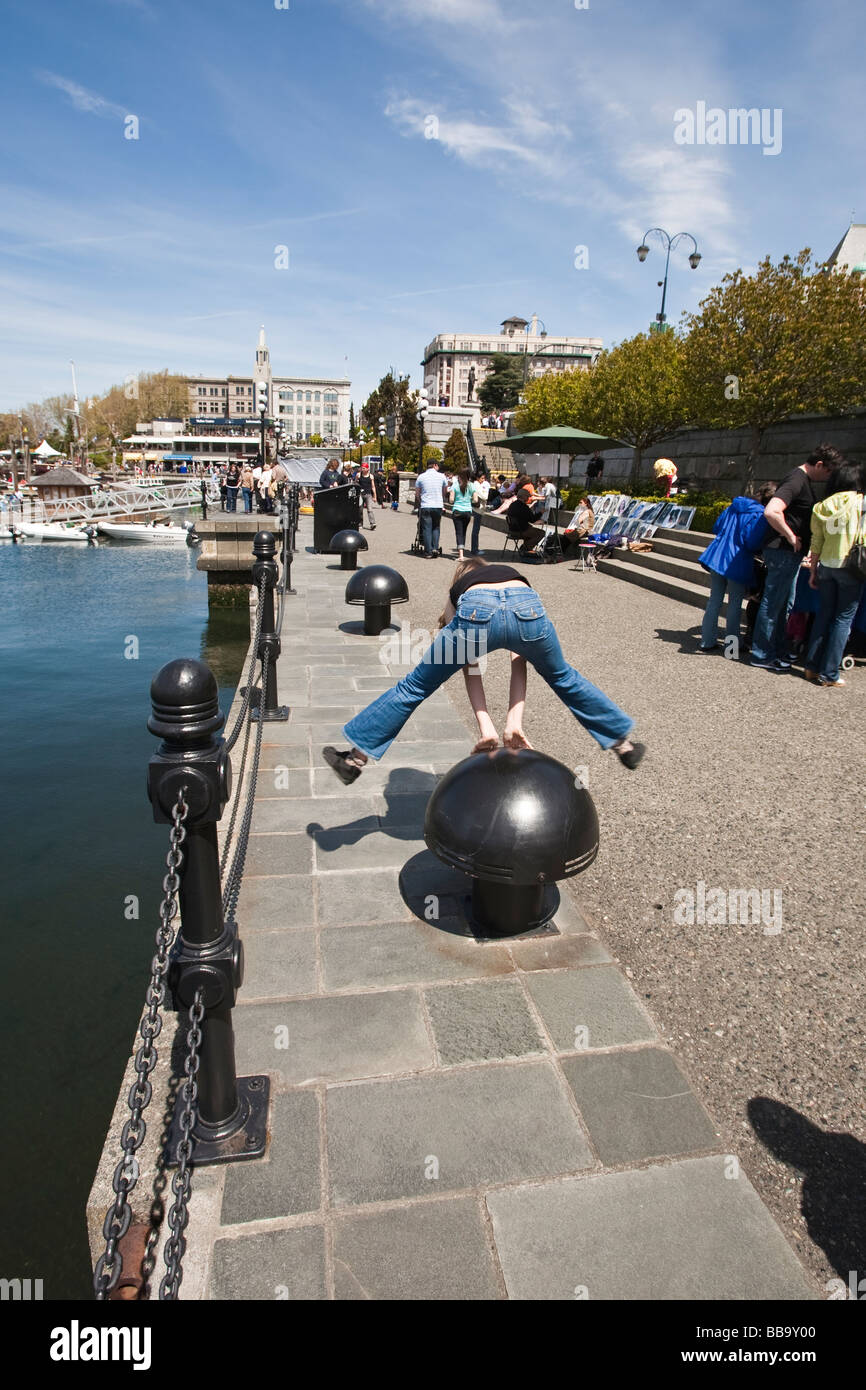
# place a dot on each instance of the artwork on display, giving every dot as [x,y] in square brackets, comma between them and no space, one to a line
[687,515]
[621,505]
[617,514]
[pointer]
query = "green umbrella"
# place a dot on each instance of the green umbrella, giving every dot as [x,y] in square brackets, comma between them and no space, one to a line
[559,440]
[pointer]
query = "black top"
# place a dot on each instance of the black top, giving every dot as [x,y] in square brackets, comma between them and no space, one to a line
[799,496]
[486,574]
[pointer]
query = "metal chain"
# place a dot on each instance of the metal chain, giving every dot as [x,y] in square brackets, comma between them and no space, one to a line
[239,779]
[286,562]
[118,1217]
[232,888]
[232,738]
[178,1216]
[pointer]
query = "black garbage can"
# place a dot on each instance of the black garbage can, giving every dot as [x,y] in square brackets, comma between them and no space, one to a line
[335,509]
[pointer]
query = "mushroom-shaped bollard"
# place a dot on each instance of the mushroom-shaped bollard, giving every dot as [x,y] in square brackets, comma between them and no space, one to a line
[377,587]
[516,822]
[346,544]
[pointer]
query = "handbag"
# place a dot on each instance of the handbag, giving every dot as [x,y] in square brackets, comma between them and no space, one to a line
[855,560]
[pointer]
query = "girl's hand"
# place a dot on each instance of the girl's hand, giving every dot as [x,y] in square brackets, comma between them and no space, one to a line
[487,744]
[515,739]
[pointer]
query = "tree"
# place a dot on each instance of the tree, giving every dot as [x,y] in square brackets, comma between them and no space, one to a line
[316,441]
[352,422]
[789,339]
[456,453]
[501,388]
[634,392]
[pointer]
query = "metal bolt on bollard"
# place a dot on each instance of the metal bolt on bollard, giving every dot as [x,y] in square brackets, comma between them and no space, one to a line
[207,956]
[265,567]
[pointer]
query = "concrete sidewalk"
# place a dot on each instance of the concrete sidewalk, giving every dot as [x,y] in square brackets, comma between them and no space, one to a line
[449,1119]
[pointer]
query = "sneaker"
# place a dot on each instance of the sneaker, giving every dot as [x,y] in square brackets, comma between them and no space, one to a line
[713,648]
[632,757]
[346,770]
[822,680]
[782,663]
[763,663]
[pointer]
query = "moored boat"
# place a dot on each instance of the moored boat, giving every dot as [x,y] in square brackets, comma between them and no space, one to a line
[56,531]
[149,532]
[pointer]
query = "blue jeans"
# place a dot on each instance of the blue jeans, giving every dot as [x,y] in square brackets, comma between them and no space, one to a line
[710,624]
[476,531]
[431,520]
[489,620]
[840,594]
[769,636]
[248,498]
[231,499]
[461,525]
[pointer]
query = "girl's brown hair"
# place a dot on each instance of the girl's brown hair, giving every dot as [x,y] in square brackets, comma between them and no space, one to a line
[472,562]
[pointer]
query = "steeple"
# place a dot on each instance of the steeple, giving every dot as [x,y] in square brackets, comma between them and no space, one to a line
[262,369]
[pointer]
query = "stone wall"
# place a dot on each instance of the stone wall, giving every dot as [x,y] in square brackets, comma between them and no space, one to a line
[716,459]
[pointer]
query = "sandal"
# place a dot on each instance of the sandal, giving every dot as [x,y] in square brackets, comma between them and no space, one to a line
[633,756]
[346,769]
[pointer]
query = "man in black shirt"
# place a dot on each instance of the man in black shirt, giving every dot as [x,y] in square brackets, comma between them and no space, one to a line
[789,512]
[595,467]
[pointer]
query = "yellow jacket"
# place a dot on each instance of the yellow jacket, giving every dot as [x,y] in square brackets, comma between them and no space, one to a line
[836,525]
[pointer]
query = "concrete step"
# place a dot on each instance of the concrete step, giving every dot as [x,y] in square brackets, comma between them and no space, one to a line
[697,540]
[664,564]
[661,583]
[678,550]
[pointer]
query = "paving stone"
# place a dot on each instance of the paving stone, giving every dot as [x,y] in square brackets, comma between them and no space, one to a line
[683,1231]
[597,999]
[337,714]
[276,733]
[358,816]
[335,850]
[557,952]
[336,1037]
[277,963]
[363,895]
[481,1022]
[638,1105]
[275,784]
[278,901]
[279,854]
[287,1181]
[399,780]
[293,756]
[405,952]
[433,1251]
[482,1124]
[273,1265]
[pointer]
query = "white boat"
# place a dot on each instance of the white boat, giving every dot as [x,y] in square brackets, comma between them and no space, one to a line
[149,532]
[56,531]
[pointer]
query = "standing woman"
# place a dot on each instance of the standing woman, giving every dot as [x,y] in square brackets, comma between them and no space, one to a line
[247,486]
[740,533]
[479,502]
[837,524]
[460,496]
[489,608]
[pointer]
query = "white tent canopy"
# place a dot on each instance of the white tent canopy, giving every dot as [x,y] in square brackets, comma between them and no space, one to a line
[45,451]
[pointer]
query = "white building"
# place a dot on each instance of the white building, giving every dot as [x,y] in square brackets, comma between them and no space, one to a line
[303,405]
[450,359]
[850,254]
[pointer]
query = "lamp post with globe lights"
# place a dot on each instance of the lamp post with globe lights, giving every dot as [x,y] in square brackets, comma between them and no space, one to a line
[423,398]
[669,242]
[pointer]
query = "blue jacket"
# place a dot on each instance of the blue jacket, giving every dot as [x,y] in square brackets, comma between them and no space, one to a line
[740,533]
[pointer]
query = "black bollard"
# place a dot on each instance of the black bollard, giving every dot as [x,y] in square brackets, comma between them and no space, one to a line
[346,544]
[265,566]
[207,956]
[515,822]
[203,500]
[377,587]
[286,545]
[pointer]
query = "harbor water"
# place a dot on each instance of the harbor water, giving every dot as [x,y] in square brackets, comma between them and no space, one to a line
[82,632]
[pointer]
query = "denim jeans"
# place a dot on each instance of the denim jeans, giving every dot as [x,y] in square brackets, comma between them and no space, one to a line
[779,588]
[431,520]
[710,624]
[248,498]
[488,620]
[231,499]
[461,524]
[476,531]
[840,594]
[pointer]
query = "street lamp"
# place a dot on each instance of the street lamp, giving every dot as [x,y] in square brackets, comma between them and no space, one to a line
[262,408]
[669,242]
[526,358]
[382,442]
[422,416]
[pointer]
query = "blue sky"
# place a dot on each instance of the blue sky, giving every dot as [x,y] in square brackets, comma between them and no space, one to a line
[305,127]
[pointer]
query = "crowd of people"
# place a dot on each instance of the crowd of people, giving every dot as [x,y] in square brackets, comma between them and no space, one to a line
[796,553]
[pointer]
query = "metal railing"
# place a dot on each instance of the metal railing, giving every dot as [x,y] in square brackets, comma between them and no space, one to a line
[198,969]
[123,501]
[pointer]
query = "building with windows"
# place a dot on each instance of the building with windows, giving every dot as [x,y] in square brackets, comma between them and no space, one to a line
[455,364]
[303,405]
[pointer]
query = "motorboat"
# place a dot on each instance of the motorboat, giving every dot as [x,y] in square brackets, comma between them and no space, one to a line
[57,531]
[149,532]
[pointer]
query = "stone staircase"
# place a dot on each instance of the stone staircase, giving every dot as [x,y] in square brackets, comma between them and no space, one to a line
[670,568]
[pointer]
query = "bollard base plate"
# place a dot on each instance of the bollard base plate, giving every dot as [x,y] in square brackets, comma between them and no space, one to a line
[248,1140]
[270,716]
[482,925]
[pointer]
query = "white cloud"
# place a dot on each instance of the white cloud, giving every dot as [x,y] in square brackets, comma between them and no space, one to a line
[486,15]
[480,144]
[83,100]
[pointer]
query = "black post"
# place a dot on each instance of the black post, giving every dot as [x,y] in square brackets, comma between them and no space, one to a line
[207,956]
[265,566]
[203,500]
[286,534]
[377,616]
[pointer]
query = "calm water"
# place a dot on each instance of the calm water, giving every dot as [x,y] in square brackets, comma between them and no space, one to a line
[77,838]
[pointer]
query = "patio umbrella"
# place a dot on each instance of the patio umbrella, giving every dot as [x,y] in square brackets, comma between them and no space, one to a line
[559,440]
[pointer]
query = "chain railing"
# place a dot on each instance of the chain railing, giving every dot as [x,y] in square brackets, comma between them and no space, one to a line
[119,1216]
[178,1215]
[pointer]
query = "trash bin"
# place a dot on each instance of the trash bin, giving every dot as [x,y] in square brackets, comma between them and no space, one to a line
[335,509]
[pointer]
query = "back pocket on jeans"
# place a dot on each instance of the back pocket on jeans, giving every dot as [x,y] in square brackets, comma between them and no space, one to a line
[531,621]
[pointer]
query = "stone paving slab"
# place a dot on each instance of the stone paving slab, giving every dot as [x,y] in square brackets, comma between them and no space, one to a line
[438,1127]
[685,1231]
